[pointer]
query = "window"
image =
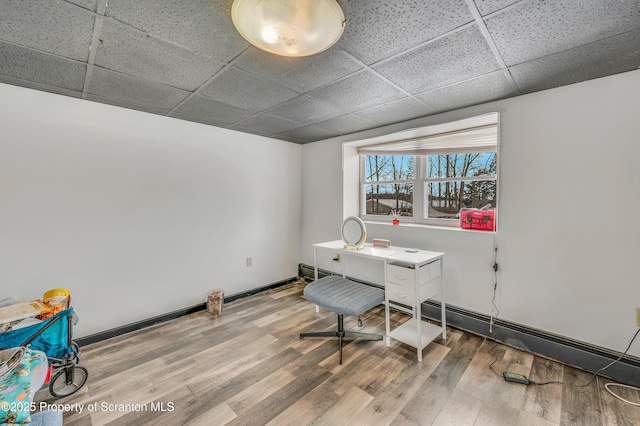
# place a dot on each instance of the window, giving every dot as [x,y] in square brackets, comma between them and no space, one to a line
[457,181]
[388,184]
[429,179]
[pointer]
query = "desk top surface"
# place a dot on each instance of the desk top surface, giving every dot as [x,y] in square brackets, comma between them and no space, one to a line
[390,254]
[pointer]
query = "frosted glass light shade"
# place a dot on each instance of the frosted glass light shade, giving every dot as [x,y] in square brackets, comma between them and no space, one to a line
[289,27]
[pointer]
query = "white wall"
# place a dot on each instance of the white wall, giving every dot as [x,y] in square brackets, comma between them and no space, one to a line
[567,241]
[137,214]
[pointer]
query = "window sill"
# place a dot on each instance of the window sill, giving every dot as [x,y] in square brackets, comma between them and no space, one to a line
[425,226]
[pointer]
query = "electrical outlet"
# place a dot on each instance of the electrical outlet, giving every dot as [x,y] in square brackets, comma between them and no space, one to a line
[249,261]
[336,257]
[638,317]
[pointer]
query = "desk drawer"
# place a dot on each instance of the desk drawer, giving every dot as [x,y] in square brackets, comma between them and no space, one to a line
[401,293]
[407,294]
[400,273]
[434,269]
[430,289]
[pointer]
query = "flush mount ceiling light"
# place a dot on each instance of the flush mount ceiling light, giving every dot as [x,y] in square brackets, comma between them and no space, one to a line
[289,27]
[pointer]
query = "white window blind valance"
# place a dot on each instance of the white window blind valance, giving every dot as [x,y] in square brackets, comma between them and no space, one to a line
[479,138]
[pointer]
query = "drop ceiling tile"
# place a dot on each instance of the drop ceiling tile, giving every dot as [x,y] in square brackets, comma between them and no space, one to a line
[486,7]
[377,29]
[201,25]
[479,90]
[394,112]
[606,57]
[346,124]
[210,111]
[38,67]
[127,105]
[299,74]
[251,132]
[304,109]
[195,120]
[359,91]
[91,5]
[133,53]
[48,25]
[238,88]
[266,124]
[309,134]
[454,58]
[288,139]
[123,88]
[37,86]
[541,27]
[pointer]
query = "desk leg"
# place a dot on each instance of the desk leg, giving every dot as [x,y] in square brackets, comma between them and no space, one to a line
[418,316]
[315,271]
[444,320]
[315,263]
[386,322]
[442,303]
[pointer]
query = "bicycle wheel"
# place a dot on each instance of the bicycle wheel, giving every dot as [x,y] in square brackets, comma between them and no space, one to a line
[61,385]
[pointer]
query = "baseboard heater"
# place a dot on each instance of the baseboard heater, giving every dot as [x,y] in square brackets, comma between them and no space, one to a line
[568,351]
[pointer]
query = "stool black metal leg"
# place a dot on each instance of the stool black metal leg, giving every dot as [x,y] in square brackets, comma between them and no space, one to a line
[341,335]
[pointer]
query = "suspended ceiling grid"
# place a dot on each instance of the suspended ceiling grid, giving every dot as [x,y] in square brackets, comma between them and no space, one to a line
[397,60]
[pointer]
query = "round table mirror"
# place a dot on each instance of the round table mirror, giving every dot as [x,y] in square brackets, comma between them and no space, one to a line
[354,233]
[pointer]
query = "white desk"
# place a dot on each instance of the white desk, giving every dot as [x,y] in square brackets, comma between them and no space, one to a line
[409,279]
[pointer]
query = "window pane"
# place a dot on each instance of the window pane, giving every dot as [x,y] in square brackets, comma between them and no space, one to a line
[389,167]
[447,198]
[381,199]
[461,165]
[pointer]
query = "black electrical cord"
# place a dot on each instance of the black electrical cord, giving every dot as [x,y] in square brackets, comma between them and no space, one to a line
[551,382]
[495,289]
[491,332]
[497,311]
[594,374]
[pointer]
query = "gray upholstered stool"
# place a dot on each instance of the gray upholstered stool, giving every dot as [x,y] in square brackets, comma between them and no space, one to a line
[343,296]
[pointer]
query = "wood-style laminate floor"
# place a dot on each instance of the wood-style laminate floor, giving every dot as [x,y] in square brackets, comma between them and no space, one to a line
[248,367]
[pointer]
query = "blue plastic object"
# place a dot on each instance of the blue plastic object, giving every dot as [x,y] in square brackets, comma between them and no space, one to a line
[51,336]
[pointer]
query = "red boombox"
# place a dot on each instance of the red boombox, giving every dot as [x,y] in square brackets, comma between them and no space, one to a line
[484,220]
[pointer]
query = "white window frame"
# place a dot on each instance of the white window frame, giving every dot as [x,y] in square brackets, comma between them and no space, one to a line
[420,181]
[425,181]
[363,192]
